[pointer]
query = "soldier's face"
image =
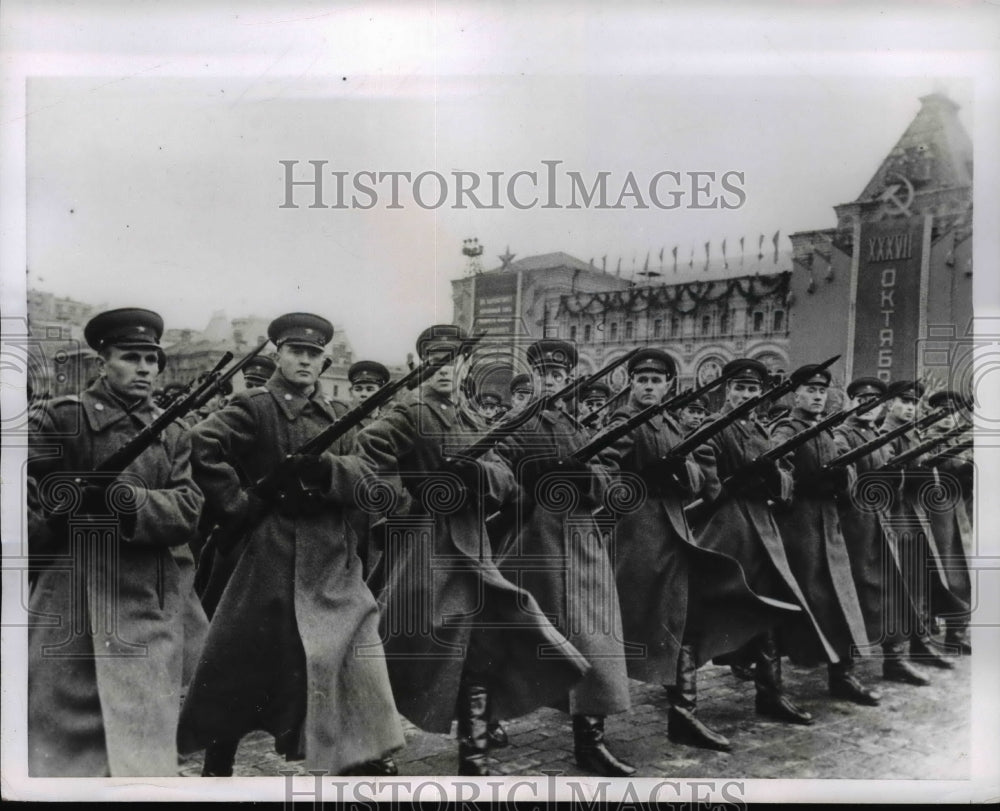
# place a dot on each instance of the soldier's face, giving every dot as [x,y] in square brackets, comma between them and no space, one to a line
[129,372]
[739,391]
[691,418]
[443,380]
[902,410]
[811,398]
[300,364]
[550,379]
[649,387]
[519,399]
[489,411]
[872,414]
[362,391]
[592,405]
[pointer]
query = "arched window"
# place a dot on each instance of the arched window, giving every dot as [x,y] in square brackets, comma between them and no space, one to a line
[586,333]
[779,320]
[706,324]
[658,328]
[628,330]
[572,333]
[613,332]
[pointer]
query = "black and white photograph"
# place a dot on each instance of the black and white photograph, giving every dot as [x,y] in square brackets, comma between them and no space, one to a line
[495,402]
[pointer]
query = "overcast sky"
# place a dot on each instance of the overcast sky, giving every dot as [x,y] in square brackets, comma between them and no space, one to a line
[161,185]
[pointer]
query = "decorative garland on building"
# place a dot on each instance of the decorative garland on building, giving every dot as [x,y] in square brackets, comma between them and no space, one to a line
[680,299]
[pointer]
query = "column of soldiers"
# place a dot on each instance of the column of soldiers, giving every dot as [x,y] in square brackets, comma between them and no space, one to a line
[448,561]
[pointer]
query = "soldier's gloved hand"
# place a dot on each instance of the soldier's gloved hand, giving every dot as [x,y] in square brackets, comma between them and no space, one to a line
[311,471]
[467,471]
[667,468]
[94,501]
[532,471]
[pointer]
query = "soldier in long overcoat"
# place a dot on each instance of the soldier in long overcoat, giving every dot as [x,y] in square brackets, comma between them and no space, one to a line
[106,634]
[877,575]
[738,522]
[293,647]
[558,553]
[950,526]
[461,640]
[681,605]
[915,495]
[810,530]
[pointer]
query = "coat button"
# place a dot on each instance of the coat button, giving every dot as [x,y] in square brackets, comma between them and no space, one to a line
[98,406]
[288,397]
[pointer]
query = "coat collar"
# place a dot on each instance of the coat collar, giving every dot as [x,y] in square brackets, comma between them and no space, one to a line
[103,408]
[292,401]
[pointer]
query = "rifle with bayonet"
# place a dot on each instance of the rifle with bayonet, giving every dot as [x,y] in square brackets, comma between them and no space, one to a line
[104,474]
[594,416]
[951,452]
[130,451]
[509,427]
[901,460]
[873,445]
[228,375]
[270,487]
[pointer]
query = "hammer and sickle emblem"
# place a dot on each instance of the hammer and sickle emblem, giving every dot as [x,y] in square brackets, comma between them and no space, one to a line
[897,197]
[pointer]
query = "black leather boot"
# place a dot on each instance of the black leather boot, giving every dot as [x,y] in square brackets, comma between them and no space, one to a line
[591,753]
[843,684]
[956,638]
[498,734]
[384,766]
[921,651]
[682,725]
[219,759]
[895,667]
[771,700]
[473,740]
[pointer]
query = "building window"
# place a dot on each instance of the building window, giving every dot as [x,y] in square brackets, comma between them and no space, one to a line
[675,327]
[336,390]
[658,328]
[586,333]
[724,323]
[779,320]
[613,332]
[572,334]
[758,321]
[706,324]
[628,330]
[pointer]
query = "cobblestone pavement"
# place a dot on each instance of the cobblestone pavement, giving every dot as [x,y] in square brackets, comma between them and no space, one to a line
[915,733]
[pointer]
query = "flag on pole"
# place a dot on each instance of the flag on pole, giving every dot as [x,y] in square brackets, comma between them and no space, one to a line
[604,263]
[691,260]
[760,248]
[725,262]
[645,268]
[674,252]
[706,255]
[775,241]
[741,251]
[619,271]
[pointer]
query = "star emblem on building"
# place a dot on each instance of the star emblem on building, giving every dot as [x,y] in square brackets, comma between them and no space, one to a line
[506,258]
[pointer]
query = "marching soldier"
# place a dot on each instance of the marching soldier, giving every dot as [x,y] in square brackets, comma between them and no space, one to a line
[103,702]
[951,527]
[258,371]
[681,604]
[490,406]
[690,417]
[581,594]
[740,524]
[875,569]
[593,398]
[293,646]
[461,640]
[909,533]
[815,547]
